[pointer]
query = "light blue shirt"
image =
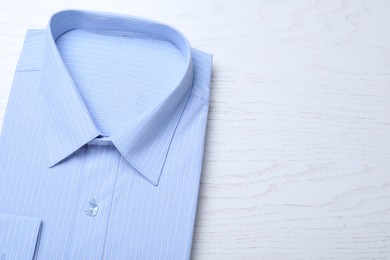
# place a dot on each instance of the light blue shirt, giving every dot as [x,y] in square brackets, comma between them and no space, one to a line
[102,142]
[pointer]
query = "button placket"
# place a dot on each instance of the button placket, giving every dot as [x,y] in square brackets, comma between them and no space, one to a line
[99,175]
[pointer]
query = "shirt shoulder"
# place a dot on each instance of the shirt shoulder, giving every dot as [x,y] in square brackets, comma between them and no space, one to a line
[32,52]
[202,62]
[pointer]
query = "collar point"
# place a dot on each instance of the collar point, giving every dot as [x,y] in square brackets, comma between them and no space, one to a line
[52,163]
[154,181]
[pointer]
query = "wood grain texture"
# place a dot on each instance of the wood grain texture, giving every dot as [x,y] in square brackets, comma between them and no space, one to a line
[297,159]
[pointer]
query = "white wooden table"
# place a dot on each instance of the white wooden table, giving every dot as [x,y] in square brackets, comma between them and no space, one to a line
[297,162]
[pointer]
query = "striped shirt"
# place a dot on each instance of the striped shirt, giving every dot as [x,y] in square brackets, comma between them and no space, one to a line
[102,142]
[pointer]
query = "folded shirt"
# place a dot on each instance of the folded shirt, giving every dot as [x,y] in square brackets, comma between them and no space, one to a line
[102,142]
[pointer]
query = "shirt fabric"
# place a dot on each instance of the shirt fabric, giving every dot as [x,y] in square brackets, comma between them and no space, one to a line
[102,142]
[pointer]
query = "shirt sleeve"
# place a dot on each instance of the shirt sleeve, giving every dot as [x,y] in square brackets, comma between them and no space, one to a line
[19,236]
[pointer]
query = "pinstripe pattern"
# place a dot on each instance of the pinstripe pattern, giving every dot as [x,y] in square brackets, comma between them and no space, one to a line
[111,108]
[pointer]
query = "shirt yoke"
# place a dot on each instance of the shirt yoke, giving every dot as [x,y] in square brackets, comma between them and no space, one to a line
[32,52]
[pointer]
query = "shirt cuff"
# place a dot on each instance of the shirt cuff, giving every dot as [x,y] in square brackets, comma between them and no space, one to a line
[19,236]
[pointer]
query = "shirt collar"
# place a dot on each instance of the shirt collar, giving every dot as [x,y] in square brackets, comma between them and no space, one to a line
[69,124]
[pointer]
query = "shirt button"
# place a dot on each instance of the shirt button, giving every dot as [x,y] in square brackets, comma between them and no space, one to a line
[92,209]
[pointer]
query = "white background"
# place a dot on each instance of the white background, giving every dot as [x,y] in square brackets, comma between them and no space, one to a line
[297,160]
